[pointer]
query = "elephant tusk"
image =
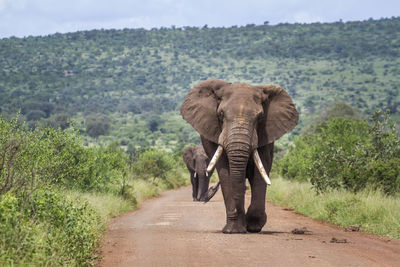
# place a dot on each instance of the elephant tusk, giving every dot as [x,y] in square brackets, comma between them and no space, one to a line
[260,167]
[195,174]
[207,174]
[215,158]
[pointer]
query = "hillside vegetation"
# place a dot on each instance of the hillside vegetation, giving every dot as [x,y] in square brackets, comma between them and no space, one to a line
[127,85]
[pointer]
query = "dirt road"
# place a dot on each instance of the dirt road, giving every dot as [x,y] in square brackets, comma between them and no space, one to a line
[174,231]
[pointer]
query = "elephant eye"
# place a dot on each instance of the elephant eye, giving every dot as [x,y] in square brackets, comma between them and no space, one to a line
[221,115]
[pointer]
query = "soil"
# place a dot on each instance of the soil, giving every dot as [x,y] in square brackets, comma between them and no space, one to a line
[172,230]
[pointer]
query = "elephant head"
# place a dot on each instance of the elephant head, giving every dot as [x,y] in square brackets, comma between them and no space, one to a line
[239,119]
[197,161]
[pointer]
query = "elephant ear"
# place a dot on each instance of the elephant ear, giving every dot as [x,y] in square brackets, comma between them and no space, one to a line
[199,109]
[188,158]
[281,115]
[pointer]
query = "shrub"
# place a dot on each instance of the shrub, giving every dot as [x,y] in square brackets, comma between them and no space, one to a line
[61,120]
[97,125]
[31,158]
[296,163]
[39,224]
[153,164]
[35,115]
[346,153]
[384,174]
[46,229]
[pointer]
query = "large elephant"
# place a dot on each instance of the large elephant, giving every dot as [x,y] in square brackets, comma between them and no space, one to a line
[197,161]
[238,124]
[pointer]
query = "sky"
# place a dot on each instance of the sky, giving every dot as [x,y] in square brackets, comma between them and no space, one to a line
[21,18]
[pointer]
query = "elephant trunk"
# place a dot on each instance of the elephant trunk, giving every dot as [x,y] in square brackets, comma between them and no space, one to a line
[238,158]
[203,183]
[238,148]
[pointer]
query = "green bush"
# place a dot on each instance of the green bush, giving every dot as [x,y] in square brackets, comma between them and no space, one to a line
[39,168]
[35,115]
[30,158]
[384,174]
[296,163]
[153,164]
[97,125]
[38,224]
[61,120]
[346,153]
[16,235]
[46,229]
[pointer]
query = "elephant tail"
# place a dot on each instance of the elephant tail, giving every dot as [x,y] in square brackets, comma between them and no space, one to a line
[211,192]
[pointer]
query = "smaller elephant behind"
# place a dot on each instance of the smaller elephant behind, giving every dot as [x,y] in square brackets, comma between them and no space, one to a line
[197,161]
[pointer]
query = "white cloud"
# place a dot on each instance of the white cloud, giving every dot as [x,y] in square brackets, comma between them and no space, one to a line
[12,4]
[41,17]
[3,4]
[305,17]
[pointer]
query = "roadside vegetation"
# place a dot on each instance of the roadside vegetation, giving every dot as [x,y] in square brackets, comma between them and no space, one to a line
[57,195]
[373,210]
[346,153]
[344,170]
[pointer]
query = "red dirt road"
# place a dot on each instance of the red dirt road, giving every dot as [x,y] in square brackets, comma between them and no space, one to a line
[174,231]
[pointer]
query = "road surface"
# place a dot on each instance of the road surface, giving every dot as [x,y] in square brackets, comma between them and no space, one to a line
[171,230]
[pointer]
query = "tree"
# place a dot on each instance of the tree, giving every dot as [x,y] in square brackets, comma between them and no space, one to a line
[35,115]
[154,122]
[97,125]
[153,164]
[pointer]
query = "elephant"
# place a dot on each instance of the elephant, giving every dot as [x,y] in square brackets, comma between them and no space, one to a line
[238,124]
[197,161]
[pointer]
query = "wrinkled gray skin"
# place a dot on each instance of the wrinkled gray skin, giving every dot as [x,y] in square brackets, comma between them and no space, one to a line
[241,118]
[197,161]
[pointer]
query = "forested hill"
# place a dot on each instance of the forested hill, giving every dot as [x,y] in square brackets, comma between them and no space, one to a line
[127,80]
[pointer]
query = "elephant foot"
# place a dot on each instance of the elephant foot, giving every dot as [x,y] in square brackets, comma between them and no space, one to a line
[234,227]
[255,221]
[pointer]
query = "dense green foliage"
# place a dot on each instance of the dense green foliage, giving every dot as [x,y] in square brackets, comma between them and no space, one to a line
[31,158]
[39,223]
[153,164]
[347,153]
[47,229]
[134,76]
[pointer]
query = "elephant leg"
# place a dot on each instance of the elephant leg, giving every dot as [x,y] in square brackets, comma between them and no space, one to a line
[235,218]
[256,216]
[195,186]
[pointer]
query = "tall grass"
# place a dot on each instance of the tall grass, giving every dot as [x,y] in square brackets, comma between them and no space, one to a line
[106,206]
[373,210]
